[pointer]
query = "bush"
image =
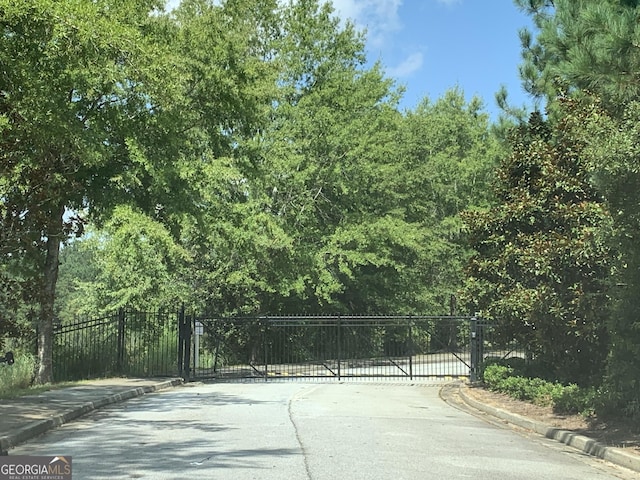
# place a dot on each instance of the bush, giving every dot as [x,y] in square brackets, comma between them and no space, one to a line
[494,375]
[570,399]
[574,399]
[17,376]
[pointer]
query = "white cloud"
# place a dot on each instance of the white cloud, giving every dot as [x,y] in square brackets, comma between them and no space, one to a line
[172,4]
[409,65]
[448,2]
[379,17]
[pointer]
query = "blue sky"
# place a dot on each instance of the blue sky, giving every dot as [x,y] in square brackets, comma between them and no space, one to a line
[430,46]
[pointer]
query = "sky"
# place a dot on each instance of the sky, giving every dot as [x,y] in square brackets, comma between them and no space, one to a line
[430,46]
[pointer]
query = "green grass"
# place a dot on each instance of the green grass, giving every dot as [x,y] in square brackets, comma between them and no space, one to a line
[16,380]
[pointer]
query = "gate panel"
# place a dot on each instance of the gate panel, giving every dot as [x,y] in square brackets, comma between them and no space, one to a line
[337,347]
[131,343]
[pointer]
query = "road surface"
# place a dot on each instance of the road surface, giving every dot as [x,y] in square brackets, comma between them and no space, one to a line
[307,431]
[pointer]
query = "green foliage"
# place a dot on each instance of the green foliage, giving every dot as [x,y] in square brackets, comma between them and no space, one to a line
[240,156]
[614,153]
[588,49]
[325,209]
[569,399]
[542,259]
[79,79]
[17,376]
[448,159]
[108,103]
[132,262]
[589,45]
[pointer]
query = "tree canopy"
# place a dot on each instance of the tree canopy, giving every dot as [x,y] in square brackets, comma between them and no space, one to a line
[244,157]
[542,264]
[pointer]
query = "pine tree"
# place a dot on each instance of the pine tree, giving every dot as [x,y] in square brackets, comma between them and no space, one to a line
[590,45]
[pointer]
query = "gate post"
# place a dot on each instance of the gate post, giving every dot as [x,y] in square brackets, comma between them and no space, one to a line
[180,341]
[477,348]
[410,349]
[184,344]
[339,345]
[121,341]
[188,330]
[265,336]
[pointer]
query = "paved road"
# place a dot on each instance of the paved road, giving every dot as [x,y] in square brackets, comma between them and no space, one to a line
[303,431]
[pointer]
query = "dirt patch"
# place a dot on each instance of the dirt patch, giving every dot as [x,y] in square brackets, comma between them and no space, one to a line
[612,432]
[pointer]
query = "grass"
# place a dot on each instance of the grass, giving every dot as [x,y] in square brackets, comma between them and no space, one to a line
[16,380]
[35,389]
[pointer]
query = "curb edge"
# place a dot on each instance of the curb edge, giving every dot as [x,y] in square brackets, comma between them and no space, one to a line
[38,428]
[580,442]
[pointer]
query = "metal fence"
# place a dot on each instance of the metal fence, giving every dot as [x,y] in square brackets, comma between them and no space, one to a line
[342,347]
[148,344]
[124,343]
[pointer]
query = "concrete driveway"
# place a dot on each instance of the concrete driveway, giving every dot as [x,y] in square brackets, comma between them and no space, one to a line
[292,430]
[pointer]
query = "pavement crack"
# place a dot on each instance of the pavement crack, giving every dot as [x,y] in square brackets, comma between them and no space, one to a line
[298,436]
[200,462]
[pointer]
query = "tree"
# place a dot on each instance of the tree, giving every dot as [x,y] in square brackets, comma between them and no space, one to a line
[613,151]
[589,48]
[542,261]
[132,262]
[316,168]
[448,156]
[70,70]
[112,102]
[589,45]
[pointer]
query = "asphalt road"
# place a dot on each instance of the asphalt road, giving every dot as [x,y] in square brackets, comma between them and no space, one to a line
[291,430]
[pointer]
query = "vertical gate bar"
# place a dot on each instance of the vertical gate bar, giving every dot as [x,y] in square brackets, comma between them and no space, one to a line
[181,341]
[410,350]
[264,342]
[339,324]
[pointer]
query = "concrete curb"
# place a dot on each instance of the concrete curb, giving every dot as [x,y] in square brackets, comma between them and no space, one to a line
[585,444]
[41,426]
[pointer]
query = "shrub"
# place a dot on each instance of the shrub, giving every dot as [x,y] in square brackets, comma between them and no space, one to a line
[568,399]
[574,399]
[17,376]
[494,375]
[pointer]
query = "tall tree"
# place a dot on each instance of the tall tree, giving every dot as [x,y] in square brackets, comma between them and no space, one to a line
[589,45]
[542,260]
[327,157]
[590,48]
[447,161]
[112,102]
[71,82]
[613,149]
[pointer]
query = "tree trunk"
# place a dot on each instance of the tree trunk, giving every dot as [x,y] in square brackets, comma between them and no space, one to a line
[50,278]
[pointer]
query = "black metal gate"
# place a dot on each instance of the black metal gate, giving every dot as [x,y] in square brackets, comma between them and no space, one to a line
[269,347]
[338,347]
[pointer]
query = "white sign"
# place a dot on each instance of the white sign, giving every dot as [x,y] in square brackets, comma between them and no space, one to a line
[199,328]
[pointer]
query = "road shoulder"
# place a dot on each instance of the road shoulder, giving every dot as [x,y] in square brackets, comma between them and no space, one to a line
[618,456]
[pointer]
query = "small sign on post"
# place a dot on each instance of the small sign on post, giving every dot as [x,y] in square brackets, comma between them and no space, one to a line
[198,330]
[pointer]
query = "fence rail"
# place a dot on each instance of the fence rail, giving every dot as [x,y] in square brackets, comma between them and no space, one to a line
[340,347]
[125,343]
[147,344]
